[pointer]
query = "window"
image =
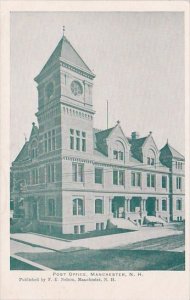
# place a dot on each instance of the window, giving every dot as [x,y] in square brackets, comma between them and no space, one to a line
[98,206]
[35,176]
[76,229]
[151,158]
[179,165]
[82,229]
[50,173]
[164,182]
[78,143]
[78,172]
[178,183]
[53,139]
[178,204]
[151,180]
[50,141]
[78,207]
[77,140]
[118,177]
[135,179]
[118,155]
[51,207]
[98,175]
[45,142]
[83,141]
[34,150]
[164,204]
[97,226]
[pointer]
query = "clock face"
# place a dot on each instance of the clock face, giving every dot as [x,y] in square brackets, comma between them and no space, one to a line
[76,88]
[49,89]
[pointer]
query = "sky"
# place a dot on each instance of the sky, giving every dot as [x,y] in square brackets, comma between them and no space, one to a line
[138,59]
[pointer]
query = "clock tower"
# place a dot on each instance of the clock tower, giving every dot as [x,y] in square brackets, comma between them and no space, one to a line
[65,100]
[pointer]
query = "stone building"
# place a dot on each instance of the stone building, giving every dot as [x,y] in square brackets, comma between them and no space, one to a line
[70,177]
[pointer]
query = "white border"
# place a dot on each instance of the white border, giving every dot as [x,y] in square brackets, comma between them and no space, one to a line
[153,285]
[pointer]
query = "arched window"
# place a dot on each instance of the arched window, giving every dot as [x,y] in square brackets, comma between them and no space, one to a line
[151,158]
[34,149]
[98,206]
[78,207]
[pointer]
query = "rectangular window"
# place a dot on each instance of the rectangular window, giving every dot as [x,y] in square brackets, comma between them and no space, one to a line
[164,205]
[45,143]
[49,141]
[78,143]
[74,171]
[35,176]
[148,160]
[84,145]
[102,226]
[50,173]
[76,229]
[78,172]
[164,182]
[138,179]
[72,142]
[78,207]
[99,206]
[148,180]
[115,177]
[121,178]
[53,139]
[98,175]
[97,226]
[135,179]
[82,229]
[51,207]
[115,154]
[178,204]
[178,183]
[118,177]
[118,155]
[151,180]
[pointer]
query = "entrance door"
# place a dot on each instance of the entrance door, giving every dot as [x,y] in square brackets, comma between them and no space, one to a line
[151,206]
[118,204]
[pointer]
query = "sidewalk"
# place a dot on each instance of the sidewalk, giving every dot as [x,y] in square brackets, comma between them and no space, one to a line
[101,242]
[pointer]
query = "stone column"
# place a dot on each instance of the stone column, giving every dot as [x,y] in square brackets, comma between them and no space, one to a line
[110,205]
[157,204]
[144,204]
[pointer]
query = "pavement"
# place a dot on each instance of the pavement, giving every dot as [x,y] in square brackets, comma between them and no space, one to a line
[32,242]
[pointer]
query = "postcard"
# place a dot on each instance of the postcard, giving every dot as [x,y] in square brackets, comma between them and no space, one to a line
[94,150]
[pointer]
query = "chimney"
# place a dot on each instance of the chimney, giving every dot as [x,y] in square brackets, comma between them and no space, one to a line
[134,135]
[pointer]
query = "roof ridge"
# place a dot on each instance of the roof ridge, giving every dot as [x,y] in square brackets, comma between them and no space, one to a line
[174,149]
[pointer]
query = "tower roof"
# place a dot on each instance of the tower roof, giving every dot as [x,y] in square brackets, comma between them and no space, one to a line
[170,151]
[68,55]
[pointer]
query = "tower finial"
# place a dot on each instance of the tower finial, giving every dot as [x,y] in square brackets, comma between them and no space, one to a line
[63,30]
[167,141]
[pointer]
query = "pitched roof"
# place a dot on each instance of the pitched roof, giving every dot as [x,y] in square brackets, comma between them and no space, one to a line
[171,151]
[23,154]
[137,143]
[34,130]
[103,134]
[68,54]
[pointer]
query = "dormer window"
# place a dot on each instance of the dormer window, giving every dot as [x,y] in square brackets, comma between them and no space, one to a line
[118,151]
[118,155]
[150,158]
